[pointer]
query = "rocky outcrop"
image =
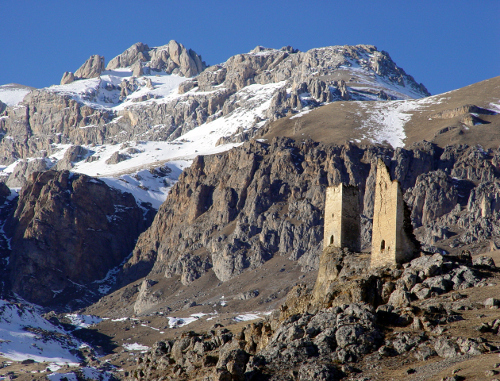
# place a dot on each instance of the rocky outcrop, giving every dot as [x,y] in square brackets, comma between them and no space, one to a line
[92,68]
[48,118]
[172,58]
[137,52]
[72,155]
[312,346]
[68,77]
[68,230]
[23,170]
[116,158]
[462,110]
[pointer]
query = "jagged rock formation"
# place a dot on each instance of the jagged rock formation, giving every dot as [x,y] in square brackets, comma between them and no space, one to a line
[72,155]
[67,77]
[68,230]
[92,68]
[172,58]
[49,118]
[235,210]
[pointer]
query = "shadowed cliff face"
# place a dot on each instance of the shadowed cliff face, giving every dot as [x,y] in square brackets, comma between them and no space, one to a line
[67,231]
[236,210]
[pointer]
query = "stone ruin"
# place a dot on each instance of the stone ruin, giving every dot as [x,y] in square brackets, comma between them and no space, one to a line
[342,219]
[393,241]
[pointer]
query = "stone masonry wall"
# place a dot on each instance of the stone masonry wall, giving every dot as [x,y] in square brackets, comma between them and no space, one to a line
[390,241]
[342,221]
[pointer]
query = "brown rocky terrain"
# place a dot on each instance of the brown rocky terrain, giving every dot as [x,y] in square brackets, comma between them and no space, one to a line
[433,316]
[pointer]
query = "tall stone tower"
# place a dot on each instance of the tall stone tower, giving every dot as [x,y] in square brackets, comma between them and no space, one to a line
[392,235]
[342,221]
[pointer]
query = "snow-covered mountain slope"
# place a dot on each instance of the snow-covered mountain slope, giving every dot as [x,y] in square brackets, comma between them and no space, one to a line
[147,109]
[25,334]
[49,347]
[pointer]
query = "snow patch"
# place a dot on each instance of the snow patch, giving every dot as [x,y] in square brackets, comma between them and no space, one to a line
[12,94]
[247,317]
[135,347]
[83,321]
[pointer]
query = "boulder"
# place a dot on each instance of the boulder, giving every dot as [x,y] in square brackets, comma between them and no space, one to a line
[492,303]
[484,262]
[446,348]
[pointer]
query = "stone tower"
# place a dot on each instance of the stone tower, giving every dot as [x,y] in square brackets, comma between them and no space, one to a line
[392,236]
[342,221]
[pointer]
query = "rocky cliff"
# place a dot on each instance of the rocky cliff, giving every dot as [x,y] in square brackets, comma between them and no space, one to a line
[233,211]
[68,230]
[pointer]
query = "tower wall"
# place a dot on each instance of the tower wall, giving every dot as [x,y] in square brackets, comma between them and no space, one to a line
[342,221]
[392,239]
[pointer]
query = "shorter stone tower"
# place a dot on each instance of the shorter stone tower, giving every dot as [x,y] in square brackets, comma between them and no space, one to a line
[392,235]
[342,221]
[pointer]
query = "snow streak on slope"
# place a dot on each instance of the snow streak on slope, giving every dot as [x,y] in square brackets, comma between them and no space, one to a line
[25,334]
[384,121]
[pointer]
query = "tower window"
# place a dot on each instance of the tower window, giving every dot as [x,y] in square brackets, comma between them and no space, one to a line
[382,245]
[331,240]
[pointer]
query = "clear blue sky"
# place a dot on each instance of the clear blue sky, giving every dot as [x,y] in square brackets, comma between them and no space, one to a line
[444,44]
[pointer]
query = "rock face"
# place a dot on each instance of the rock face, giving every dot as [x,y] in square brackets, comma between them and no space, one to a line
[50,118]
[68,229]
[23,170]
[234,211]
